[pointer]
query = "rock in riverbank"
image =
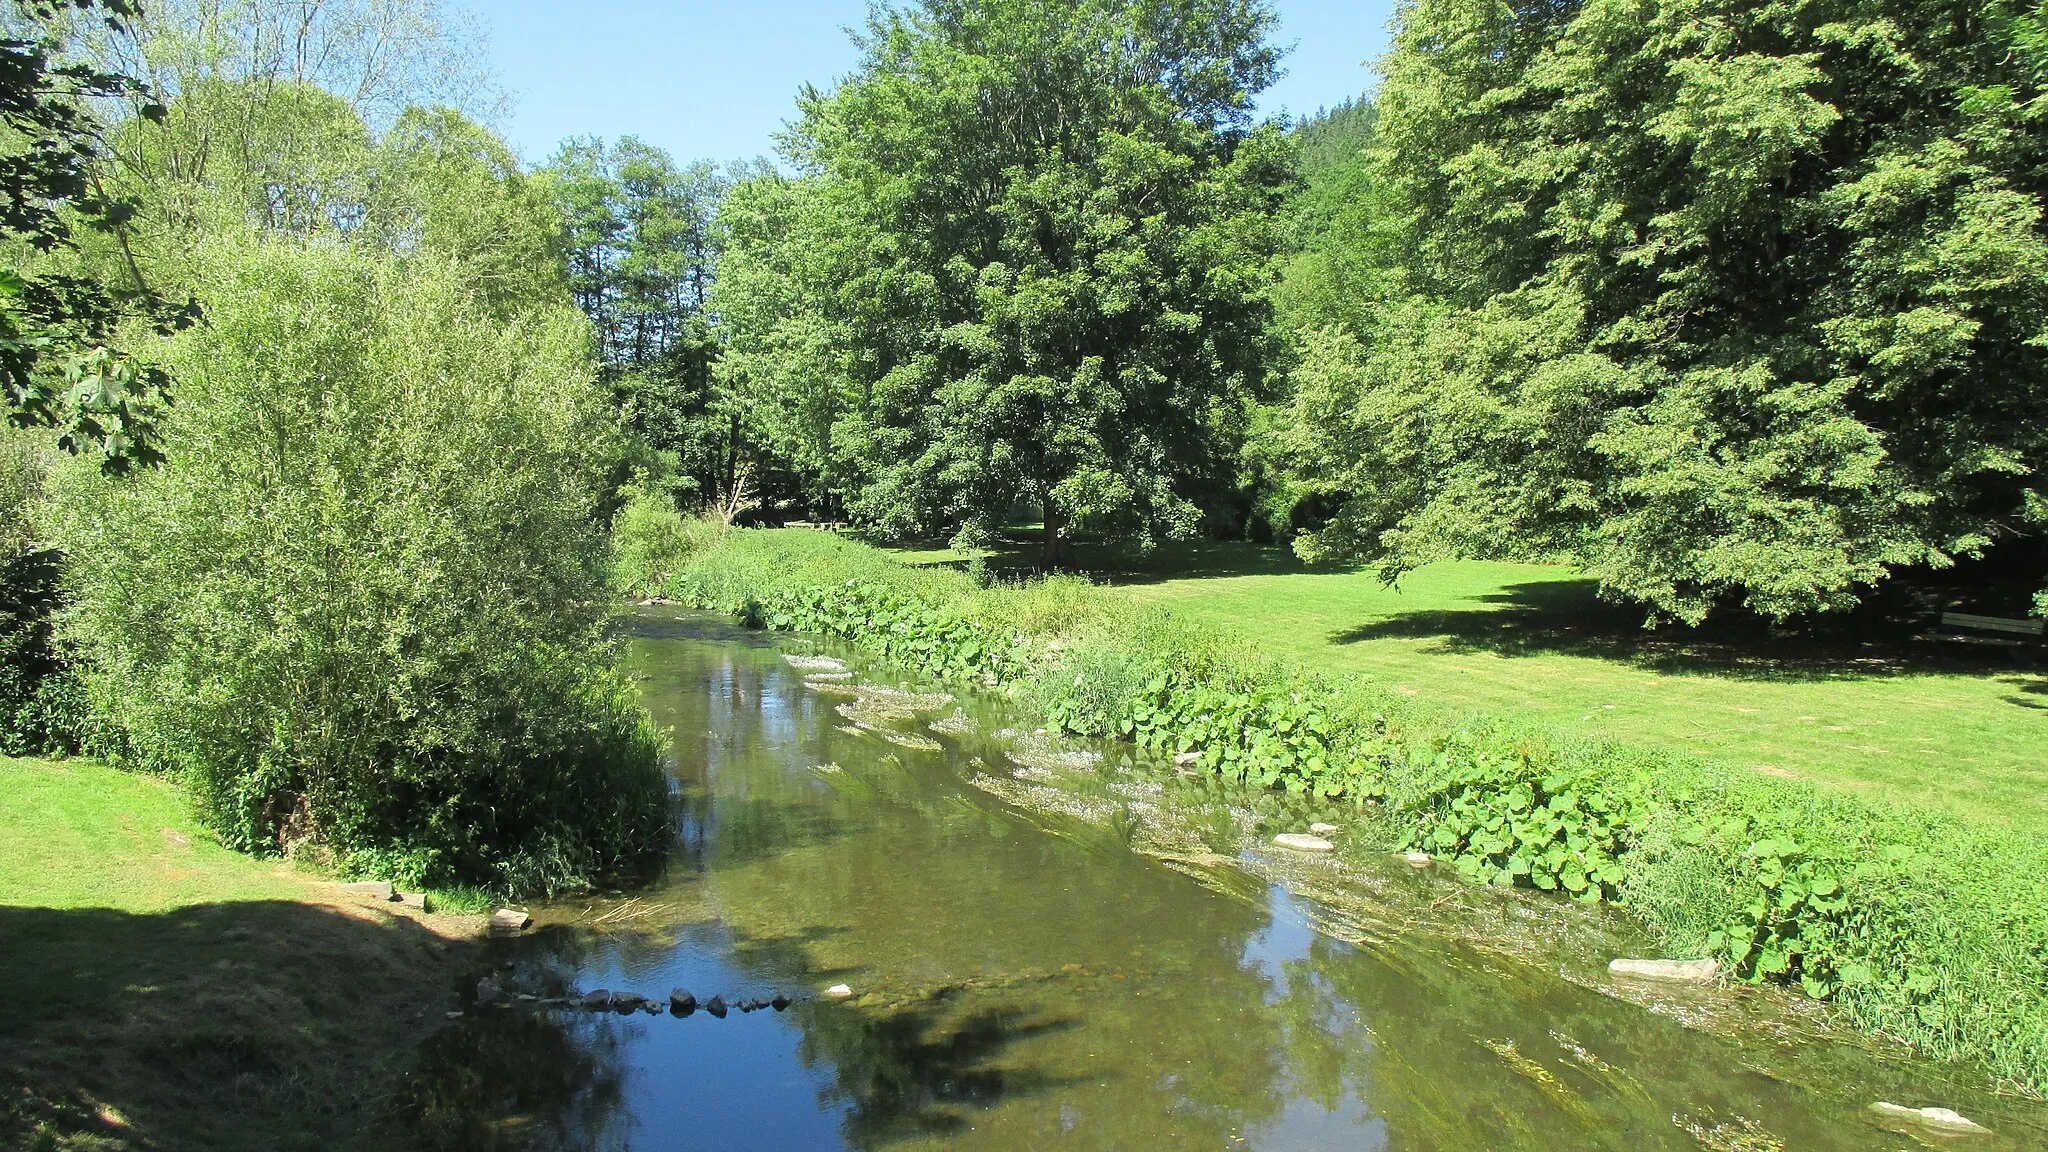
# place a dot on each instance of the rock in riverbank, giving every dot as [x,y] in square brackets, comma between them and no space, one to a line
[1674,971]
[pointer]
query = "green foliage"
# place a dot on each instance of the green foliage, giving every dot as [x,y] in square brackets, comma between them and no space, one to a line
[651,542]
[1025,263]
[364,609]
[1560,833]
[1915,926]
[641,252]
[1732,303]
[57,362]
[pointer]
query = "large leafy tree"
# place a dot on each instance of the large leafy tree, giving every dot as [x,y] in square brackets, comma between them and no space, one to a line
[57,326]
[1042,239]
[1730,302]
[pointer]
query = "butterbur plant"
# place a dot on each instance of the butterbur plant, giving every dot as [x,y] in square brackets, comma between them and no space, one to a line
[1557,834]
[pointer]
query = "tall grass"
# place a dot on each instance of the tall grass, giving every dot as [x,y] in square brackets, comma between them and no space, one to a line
[1914,924]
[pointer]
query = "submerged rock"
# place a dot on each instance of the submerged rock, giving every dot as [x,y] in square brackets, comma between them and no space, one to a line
[1418,859]
[838,992]
[780,1001]
[716,1006]
[1943,1119]
[1301,842]
[814,663]
[624,1002]
[1675,971]
[595,999]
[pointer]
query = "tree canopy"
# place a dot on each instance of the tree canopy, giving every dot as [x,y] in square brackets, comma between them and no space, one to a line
[1026,262]
[1730,303]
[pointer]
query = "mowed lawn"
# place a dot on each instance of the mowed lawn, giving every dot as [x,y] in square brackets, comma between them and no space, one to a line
[163,991]
[1915,719]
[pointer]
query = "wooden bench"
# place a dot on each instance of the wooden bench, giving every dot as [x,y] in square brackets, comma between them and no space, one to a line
[2012,629]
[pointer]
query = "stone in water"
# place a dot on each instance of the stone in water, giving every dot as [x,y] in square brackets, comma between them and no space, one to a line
[1186,759]
[839,991]
[1680,971]
[1418,859]
[1322,829]
[1303,843]
[1946,1119]
[509,922]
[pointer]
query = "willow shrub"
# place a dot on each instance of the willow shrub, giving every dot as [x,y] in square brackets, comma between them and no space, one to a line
[364,605]
[1915,925]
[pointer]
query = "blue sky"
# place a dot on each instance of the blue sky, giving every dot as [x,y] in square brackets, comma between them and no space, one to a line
[716,80]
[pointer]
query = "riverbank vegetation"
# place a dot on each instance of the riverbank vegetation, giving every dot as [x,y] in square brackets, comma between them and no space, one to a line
[1864,708]
[1915,923]
[354,601]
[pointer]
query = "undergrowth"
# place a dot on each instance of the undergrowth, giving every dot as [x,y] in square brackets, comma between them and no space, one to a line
[1915,925]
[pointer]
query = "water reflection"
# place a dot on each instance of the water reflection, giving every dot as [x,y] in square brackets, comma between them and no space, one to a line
[1024,980]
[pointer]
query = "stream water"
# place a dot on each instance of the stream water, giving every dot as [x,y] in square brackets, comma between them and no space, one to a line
[1037,966]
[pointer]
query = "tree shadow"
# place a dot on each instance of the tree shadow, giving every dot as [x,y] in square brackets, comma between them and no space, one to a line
[1016,556]
[922,1072]
[267,1024]
[1567,617]
[2033,692]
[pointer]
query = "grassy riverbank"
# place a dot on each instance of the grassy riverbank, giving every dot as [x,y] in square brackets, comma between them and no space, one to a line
[1868,712]
[1917,920]
[165,992]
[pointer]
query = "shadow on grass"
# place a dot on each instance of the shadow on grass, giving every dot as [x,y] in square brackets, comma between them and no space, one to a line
[266,1024]
[1567,617]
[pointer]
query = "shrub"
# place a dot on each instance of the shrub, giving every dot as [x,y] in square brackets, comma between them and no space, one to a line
[651,542]
[364,606]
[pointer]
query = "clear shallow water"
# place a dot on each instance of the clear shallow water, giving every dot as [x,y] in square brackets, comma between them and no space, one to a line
[1025,979]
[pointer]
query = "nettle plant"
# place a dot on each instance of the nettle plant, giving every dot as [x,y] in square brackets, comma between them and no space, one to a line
[1560,833]
[1798,922]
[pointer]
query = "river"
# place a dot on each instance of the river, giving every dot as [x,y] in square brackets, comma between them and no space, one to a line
[1034,964]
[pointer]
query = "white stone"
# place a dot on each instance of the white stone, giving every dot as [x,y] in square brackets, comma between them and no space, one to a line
[1680,971]
[374,889]
[1303,843]
[1945,1119]
[1186,759]
[839,992]
[1322,829]
[415,900]
[1418,859]
[814,663]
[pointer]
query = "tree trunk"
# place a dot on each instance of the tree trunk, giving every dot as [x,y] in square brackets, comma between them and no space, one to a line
[1058,552]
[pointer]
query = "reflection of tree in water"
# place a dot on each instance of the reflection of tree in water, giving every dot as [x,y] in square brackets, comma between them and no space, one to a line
[514,1080]
[913,1073]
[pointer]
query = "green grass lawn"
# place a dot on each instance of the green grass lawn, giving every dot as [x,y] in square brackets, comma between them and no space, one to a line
[1883,713]
[162,991]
